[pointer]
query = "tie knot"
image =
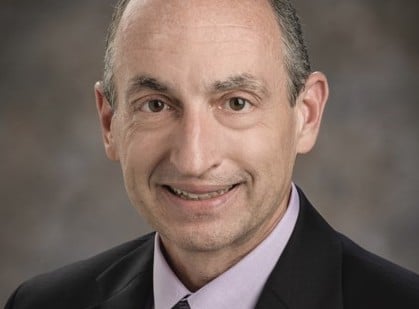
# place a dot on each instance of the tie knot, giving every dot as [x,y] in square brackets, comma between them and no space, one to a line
[183,304]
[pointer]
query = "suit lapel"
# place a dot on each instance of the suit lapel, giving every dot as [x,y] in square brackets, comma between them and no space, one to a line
[308,274]
[128,283]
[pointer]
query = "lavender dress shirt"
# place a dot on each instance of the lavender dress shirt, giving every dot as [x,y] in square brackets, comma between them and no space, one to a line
[241,285]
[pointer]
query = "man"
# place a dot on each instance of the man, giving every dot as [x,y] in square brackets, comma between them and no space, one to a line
[206,105]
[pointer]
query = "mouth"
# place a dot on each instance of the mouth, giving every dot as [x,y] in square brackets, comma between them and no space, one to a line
[199,196]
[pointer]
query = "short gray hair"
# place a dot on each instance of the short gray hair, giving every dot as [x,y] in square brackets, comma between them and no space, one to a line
[296,59]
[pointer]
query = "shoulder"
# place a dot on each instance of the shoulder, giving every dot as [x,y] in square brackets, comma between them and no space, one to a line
[72,286]
[370,281]
[367,280]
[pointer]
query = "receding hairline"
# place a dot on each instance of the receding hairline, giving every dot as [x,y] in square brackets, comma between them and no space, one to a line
[124,20]
[286,49]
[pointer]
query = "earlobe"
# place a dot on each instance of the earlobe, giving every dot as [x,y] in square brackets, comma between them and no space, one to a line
[310,105]
[106,114]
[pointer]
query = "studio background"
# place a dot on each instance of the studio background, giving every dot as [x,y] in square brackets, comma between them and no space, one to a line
[62,200]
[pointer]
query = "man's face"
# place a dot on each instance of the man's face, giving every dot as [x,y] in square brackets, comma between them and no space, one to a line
[203,128]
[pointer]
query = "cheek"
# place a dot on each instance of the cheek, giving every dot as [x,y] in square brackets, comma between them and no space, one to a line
[138,145]
[268,151]
[269,144]
[139,153]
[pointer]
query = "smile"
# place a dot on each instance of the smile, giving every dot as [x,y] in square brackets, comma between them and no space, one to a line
[198,196]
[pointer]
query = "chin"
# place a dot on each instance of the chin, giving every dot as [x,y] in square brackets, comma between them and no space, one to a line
[206,237]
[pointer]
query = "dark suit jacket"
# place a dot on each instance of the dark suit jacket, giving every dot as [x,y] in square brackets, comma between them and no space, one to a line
[319,268]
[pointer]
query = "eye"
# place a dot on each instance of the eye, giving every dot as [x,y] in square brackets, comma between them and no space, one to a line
[237,104]
[154,106]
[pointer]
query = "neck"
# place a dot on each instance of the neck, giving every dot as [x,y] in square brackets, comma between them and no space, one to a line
[196,268]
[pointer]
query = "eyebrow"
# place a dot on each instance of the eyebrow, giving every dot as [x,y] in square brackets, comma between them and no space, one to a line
[145,82]
[240,81]
[234,82]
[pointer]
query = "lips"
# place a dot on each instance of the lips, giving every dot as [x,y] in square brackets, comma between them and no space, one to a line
[199,196]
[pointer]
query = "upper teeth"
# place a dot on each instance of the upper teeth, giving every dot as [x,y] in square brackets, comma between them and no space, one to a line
[204,196]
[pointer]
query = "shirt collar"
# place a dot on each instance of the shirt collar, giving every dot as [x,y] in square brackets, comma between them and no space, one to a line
[241,285]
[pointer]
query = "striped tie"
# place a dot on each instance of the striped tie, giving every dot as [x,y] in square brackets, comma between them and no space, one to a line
[182,304]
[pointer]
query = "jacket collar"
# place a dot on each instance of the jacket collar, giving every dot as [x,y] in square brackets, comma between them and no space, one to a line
[308,274]
[128,283]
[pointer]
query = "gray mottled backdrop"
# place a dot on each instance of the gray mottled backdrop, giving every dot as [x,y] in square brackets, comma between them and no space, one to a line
[61,200]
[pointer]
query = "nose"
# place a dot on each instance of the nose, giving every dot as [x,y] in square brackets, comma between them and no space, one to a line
[196,143]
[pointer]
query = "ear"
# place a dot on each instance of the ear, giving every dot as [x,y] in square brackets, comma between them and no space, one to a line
[106,113]
[310,105]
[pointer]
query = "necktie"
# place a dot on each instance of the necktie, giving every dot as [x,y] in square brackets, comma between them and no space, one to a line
[183,304]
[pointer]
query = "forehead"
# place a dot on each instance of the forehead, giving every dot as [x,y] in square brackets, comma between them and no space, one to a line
[198,12]
[148,19]
[179,32]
